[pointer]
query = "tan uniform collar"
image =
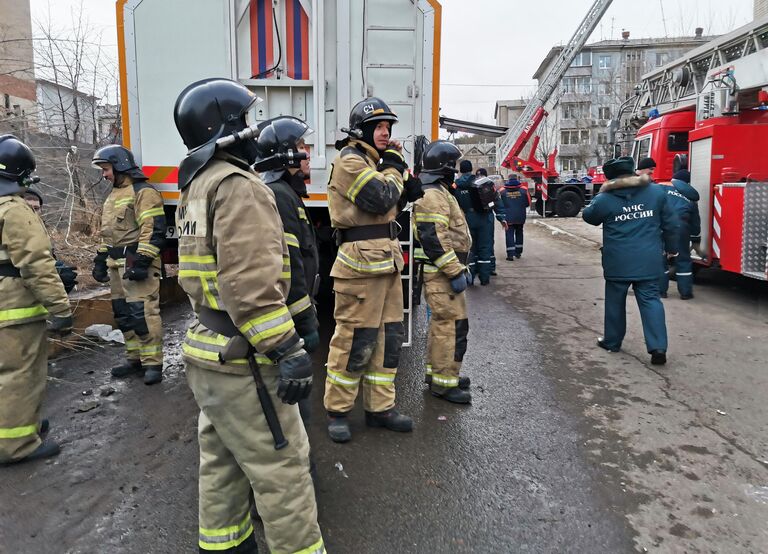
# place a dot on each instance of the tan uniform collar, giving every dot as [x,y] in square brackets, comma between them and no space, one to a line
[126,181]
[367,148]
[231,158]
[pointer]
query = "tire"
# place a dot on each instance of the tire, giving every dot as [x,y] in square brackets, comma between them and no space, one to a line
[568,204]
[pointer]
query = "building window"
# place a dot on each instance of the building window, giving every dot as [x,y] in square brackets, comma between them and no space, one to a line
[633,74]
[604,62]
[577,136]
[604,112]
[662,58]
[634,55]
[582,59]
[569,164]
[575,110]
[602,138]
[605,88]
[577,85]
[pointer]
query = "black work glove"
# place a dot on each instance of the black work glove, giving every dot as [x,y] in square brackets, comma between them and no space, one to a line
[392,158]
[459,283]
[140,268]
[413,190]
[311,341]
[67,274]
[60,324]
[295,376]
[99,271]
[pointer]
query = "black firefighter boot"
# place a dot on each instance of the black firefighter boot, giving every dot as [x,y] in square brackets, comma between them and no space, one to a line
[47,449]
[338,427]
[464,382]
[128,368]
[153,374]
[452,394]
[389,419]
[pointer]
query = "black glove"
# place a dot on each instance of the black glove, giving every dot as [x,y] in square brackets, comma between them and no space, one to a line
[392,158]
[295,376]
[99,271]
[60,324]
[67,274]
[139,270]
[459,283]
[413,190]
[311,341]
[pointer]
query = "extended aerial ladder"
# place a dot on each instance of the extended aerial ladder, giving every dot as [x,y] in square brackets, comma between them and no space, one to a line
[520,133]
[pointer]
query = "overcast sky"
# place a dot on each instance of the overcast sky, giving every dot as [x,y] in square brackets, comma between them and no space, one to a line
[501,42]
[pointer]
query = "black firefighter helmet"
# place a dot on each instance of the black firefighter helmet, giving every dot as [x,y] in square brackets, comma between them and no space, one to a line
[278,140]
[439,161]
[121,159]
[205,111]
[16,165]
[368,110]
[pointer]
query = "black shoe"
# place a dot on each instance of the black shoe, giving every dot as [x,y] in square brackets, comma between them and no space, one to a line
[464,382]
[485,283]
[658,357]
[153,374]
[453,394]
[44,426]
[663,294]
[510,258]
[390,419]
[494,274]
[518,256]
[686,296]
[338,427]
[46,450]
[128,368]
[601,344]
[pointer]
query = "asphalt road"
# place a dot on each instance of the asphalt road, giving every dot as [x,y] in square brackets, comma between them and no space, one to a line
[566,448]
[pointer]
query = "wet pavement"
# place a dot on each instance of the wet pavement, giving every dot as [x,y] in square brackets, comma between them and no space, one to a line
[566,448]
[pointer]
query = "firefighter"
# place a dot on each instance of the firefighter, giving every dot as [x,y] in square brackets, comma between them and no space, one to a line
[30,292]
[516,201]
[441,228]
[234,265]
[132,234]
[636,217]
[66,272]
[365,191]
[690,231]
[480,223]
[646,166]
[285,135]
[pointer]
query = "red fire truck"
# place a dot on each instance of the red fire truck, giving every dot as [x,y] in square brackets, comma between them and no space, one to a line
[708,112]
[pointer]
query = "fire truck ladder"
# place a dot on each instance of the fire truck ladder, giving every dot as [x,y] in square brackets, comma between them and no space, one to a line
[551,81]
[678,84]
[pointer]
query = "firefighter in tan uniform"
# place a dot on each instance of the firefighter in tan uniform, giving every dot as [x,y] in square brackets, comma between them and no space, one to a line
[30,292]
[132,233]
[441,228]
[365,192]
[234,266]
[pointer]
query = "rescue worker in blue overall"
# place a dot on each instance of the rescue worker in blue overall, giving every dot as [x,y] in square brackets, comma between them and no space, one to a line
[480,225]
[690,231]
[636,219]
[516,201]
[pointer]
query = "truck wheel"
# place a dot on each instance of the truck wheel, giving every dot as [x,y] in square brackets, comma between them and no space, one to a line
[568,204]
[539,206]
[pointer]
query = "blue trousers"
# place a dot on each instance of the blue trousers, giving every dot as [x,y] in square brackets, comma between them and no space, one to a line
[683,269]
[481,229]
[514,236]
[651,313]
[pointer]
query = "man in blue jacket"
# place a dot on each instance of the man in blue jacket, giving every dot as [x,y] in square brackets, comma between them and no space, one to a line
[480,223]
[516,202]
[636,217]
[679,197]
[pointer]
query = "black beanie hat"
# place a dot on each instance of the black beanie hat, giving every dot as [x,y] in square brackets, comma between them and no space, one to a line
[682,175]
[646,163]
[619,167]
[465,166]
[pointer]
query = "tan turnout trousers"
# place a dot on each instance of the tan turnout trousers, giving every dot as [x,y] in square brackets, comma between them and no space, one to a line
[366,344]
[237,455]
[448,327]
[136,305]
[23,373]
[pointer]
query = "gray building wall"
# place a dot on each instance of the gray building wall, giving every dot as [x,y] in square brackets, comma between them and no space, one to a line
[17,74]
[760,8]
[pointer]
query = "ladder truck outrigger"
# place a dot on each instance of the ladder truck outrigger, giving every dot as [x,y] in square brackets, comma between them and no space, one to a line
[552,196]
[708,112]
[312,59]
